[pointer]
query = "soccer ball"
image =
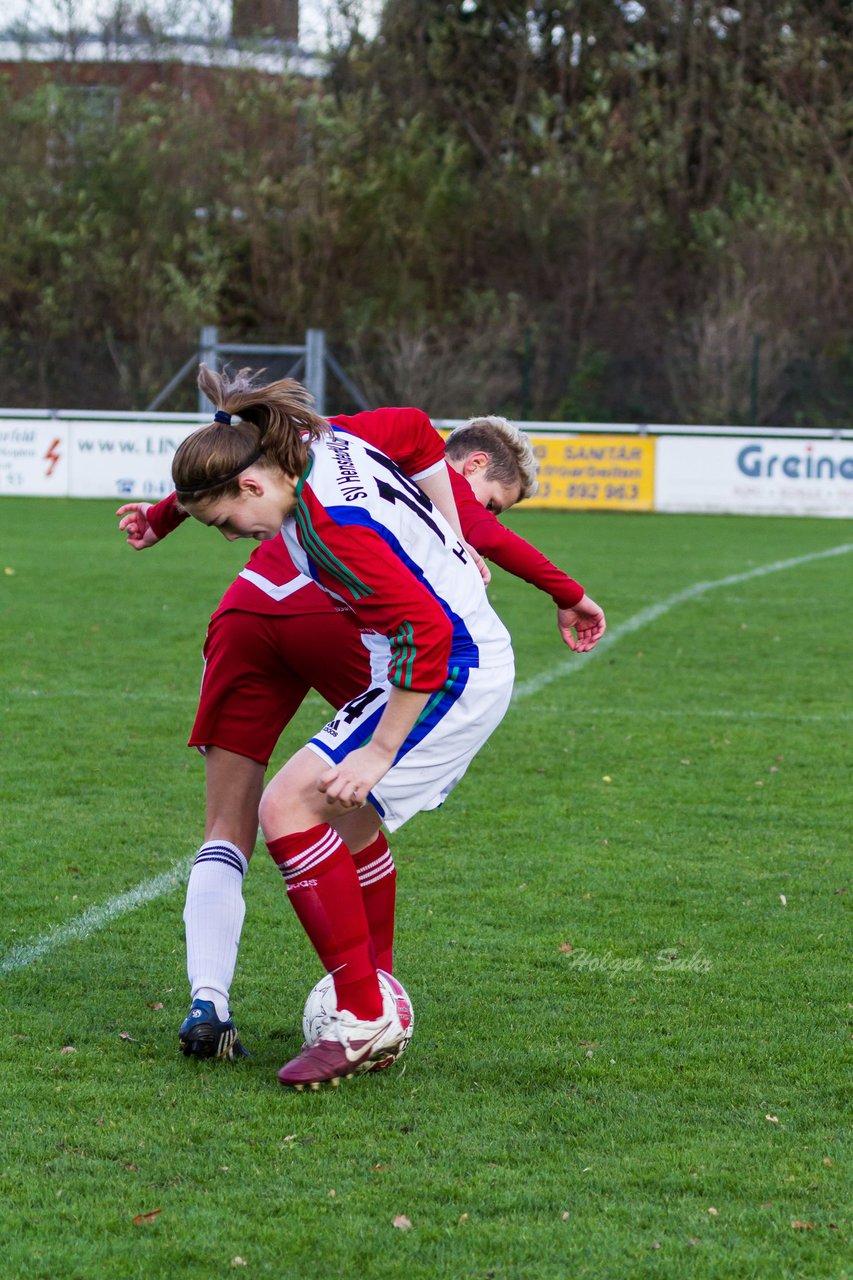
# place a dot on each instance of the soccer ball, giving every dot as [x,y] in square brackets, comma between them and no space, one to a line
[322,1001]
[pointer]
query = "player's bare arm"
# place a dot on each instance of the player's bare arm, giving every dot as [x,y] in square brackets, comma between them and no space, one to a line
[439,490]
[583,625]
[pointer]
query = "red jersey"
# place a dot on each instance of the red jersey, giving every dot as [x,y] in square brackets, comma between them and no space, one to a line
[484,531]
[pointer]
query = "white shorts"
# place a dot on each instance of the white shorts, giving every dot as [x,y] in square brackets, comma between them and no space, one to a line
[450,731]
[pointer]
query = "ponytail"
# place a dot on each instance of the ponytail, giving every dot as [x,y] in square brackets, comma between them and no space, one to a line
[275,427]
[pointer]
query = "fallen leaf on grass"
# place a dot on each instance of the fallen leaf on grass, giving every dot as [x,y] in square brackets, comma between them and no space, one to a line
[125,1035]
[772,1119]
[714,1212]
[402,1223]
[566,948]
[826,1160]
[565,1215]
[656,1244]
[146,1219]
[463,1218]
[802,1226]
[69,1048]
[156,1004]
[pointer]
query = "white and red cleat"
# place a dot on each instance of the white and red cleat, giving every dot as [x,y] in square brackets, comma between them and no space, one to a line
[345,1047]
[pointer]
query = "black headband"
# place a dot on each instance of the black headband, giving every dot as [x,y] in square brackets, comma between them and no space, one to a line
[215,481]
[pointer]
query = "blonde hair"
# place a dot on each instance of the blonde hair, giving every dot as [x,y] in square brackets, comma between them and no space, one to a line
[275,429]
[511,457]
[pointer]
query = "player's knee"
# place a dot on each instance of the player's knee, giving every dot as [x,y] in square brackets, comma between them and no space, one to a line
[269,813]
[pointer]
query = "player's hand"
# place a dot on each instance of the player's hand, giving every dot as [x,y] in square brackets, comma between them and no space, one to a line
[485,571]
[582,626]
[349,783]
[135,524]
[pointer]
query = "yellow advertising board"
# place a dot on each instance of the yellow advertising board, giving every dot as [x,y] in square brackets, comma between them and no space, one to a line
[614,473]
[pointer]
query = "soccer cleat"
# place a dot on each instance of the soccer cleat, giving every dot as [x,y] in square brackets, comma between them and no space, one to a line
[204,1035]
[345,1047]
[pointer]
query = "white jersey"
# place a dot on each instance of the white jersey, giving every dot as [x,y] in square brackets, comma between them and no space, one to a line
[365,532]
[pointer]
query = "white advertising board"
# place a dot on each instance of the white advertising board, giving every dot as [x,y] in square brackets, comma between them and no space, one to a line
[755,476]
[34,457]
[123,460]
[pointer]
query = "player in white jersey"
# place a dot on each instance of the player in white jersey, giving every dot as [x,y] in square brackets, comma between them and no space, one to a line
[364,533]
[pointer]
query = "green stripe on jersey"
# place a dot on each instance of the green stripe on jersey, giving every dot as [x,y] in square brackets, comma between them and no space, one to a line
[315,547]
[404,650]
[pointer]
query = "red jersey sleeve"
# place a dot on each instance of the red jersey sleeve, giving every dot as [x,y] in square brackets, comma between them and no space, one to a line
[165,516]
[485,532]
[406,436]
[358,565]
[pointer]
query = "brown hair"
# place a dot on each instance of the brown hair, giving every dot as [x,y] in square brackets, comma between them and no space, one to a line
[511,457]
[275,428]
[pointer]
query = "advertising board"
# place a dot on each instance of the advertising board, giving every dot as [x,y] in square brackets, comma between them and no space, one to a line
[123,460]
[755,476]
[590,472]
[34,457]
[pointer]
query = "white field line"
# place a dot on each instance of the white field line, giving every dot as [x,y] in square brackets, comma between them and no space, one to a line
[578,662]
[124,695]
[742,713]
[96,918]
[89,922]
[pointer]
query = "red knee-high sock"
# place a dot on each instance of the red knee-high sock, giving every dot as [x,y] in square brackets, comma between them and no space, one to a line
[322,884]
[377,876]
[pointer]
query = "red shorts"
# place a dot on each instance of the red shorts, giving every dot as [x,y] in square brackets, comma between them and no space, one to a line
[258,668]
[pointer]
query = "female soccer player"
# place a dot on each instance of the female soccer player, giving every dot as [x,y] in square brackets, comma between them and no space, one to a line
[261,656]
[356,525]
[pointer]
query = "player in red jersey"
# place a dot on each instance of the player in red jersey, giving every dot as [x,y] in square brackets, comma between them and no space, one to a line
[262,655]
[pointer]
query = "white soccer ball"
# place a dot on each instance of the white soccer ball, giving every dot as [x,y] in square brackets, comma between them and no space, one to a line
[322,1001]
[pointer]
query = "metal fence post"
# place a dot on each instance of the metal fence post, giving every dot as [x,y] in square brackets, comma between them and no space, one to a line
[208,341]
[315,367]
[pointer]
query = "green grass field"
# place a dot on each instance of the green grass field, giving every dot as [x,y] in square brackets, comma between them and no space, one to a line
[626,936]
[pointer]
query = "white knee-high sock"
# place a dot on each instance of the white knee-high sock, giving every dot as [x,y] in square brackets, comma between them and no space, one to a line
[213,916]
